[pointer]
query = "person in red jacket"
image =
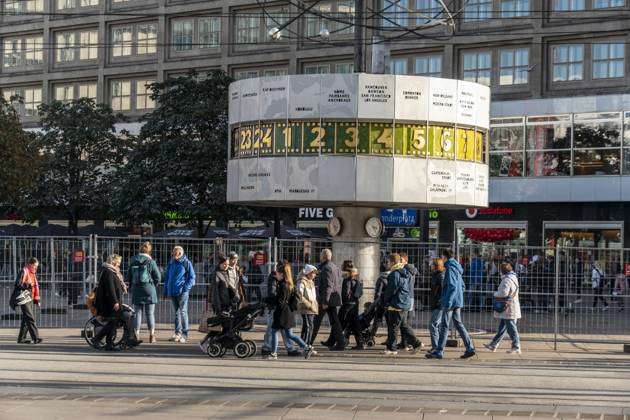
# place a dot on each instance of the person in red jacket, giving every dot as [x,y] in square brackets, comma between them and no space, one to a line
[28,281]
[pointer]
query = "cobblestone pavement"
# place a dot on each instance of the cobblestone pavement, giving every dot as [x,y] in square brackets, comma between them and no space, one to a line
[64,379]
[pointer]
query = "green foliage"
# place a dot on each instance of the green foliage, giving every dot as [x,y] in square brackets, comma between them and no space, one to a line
[19,157]
[80,152]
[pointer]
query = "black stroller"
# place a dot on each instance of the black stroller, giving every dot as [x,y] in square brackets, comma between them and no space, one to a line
[217,342]
[365,324]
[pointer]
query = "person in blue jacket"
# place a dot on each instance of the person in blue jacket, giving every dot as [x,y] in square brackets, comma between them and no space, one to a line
[180,278]
[452,302]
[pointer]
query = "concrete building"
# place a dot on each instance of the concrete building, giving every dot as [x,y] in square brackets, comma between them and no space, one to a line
[560,140]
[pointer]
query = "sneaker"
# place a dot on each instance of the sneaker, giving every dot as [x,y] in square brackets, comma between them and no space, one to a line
[433,356]
[39,341]
[152,339]
[175,337]
[272,356]
[490,347]
[182,339]
[308,352]
[467,355]
[313,351]
[390,352]
[514,350]
[415,349]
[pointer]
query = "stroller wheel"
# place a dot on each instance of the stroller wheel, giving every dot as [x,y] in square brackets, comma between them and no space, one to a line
[242,350]
[370,343]
[252,348]
[215,350]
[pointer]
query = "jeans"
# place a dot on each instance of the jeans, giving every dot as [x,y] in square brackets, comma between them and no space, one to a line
[149,312]
[434,326]
[268,340]
[307,327]
[509,326]
[180,304]
[456,315]
[27,324]
[288,334]
[398,320]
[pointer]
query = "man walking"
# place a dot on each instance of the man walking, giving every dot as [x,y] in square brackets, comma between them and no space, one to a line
[180,278]
[452,302]
[413,274]
[329,297]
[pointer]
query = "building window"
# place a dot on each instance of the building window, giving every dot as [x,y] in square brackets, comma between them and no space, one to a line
[399,65]
[604,4]
[317,69]
[507,140]
[209,32]
[138,39]
[64,93]
[274,19]
[88,47]
[68,92]
[31,96]
[315,23]
[266,72]
[396,13]
[23,52]
[247,29]
[514,8]
[65,47]
[568,5]
[428,65]
[608,60]
[88,90]
[16,7]
[183,34]
[143,94]
[345,12]
[568,62]
[344,67]
[478,67]
[427,11]
[196,33]
[77,46]
[478,10]
[514,66]
[121,95]
[73,4]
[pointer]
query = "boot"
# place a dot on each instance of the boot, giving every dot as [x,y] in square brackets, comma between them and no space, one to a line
[152,339]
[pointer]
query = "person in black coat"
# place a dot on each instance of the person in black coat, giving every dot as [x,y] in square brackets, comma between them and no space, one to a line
[109,304]
[351,293]
[284,303]
[329,297]
[413,271]
[224,298]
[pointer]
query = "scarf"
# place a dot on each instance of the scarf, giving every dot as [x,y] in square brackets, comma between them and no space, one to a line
[118,275]
[28,277]
[397,266]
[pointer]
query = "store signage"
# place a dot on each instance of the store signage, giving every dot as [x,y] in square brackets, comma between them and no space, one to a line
[434,214]
[399,217]
[492,211]
[315,213]
[627,270]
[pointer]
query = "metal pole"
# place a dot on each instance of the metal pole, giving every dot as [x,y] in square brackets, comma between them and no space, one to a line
[14,258]
[556,300]
[52,267]
[358,36]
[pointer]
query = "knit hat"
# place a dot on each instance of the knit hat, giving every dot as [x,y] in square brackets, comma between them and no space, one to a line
[308,269]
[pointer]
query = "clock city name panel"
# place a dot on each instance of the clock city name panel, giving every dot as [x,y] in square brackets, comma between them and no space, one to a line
[358,139]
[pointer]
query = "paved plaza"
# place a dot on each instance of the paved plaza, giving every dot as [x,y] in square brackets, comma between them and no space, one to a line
[65,379]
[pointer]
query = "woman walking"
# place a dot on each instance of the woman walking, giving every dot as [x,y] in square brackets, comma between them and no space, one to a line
[511,313]
[143,277]
[26,293]
[307,306]
[437,280]
[285,303]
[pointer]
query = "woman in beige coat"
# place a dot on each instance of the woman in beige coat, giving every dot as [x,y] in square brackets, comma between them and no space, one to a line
[508,288]
[307,307]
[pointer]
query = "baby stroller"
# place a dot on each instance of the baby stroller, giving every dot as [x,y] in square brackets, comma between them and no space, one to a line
[364,322]
[217,342]
[94,328]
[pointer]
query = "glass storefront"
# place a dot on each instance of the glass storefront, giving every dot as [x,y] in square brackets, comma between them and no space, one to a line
[561,145]
[491,233]
[584,235]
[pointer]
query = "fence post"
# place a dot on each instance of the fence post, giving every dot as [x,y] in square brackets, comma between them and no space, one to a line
[14,258]
[53,263]
[556,310]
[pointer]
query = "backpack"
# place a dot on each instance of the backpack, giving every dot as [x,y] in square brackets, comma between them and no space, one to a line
[140,272]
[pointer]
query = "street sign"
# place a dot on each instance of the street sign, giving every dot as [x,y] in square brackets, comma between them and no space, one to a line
[399,217]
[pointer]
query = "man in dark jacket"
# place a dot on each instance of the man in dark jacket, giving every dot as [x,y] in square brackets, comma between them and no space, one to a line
[329,298]
[351,293]
[413,274]
[397,299]
[378,305]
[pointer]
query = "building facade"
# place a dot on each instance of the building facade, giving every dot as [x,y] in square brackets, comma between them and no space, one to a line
[560,138]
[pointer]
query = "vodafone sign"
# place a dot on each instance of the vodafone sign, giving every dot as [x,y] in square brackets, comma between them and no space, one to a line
[492,211]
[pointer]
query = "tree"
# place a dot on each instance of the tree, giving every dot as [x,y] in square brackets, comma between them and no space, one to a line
[81,150]
[179,161]
[19,156]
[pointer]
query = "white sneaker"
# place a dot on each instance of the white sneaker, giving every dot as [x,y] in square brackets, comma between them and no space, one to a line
[513,351]
[182,339]
[273,356]
[390,352]
[490,347]
[175,337]
[313,351]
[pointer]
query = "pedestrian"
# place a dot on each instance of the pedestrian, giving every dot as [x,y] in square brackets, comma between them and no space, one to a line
[378,305]
[143,277]
[414,273]
[598,280]
[224,297]
[180,278]
[272,284]
[25,294]
[109,304]
[437,282]
[620,288]
[285,303]
[329,298]
[308,306]
[451,303]
[397,299]
[508,294]
[351,293]
[236,281]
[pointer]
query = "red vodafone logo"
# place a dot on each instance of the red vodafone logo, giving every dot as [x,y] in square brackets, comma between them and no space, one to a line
[471,213]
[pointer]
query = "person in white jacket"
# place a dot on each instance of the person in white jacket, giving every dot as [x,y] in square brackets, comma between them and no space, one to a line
[509,287]
[307,307]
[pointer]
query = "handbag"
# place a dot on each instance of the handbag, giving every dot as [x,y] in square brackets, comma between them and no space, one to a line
[500,304]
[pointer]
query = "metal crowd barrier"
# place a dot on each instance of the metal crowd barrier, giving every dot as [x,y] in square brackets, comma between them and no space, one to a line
[557,296]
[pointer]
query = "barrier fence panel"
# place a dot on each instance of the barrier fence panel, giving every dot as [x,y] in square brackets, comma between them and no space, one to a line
[573,294]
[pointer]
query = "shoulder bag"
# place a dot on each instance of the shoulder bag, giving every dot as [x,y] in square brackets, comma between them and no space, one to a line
[500,304]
